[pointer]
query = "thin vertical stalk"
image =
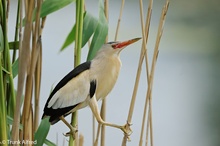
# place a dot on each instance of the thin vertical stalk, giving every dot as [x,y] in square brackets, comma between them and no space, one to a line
[154,60]
[77,58]
[145,33]
[93,129]
[133,99]
[37,87]
[81,140]
[147,129]
[147,26]
[103,115]
[37,72]
[15,132]
[24,52]
[27,114]
[3,122]
[38,75]
[97,136]
[9,87]
[119,19]
[104,101]
[16,31]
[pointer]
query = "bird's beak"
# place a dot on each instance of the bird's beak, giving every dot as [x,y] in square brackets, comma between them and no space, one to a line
[125,43]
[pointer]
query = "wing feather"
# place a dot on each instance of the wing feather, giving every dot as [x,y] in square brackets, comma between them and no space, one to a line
[74,92]
[66,95]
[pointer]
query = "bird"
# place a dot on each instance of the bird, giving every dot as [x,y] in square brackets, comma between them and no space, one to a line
[86,84]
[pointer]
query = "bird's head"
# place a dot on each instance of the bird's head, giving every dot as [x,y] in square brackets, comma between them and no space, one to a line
[114,48]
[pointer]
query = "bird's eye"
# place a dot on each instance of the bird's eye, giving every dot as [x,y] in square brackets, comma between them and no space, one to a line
[111,43]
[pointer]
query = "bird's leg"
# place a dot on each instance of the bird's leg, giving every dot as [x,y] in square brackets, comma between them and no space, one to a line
[94,107]
[73,130]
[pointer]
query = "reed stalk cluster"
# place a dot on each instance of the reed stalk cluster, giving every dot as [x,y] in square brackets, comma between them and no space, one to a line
[19,104]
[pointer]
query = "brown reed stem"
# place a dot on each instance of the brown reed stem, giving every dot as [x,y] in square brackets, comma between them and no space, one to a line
[37,67]
[147,26]
[97,135]
[119,19]
[133,99]
[104,102]
[81,140]
[149,91]
[156,52]
[27,114]
[37,76]
[142,55]
[103,115]
[93,129]
[24,51]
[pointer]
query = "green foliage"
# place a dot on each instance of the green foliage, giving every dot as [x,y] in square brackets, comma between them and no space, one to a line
[100,33]
[49,143]
[42,131]
[91,26]
[50,6]
[70,38]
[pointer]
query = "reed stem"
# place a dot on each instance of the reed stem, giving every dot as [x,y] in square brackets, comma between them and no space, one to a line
[77,58]
[119,19]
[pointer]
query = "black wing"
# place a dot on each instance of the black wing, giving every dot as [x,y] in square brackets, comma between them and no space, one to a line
[56,113]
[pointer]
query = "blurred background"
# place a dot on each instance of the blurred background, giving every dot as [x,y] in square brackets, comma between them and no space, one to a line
[186,93]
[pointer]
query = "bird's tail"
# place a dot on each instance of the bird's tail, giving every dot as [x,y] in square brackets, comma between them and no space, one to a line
[52,119]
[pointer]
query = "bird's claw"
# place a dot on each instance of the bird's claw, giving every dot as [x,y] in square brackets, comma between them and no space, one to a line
[127,130]
[72,132]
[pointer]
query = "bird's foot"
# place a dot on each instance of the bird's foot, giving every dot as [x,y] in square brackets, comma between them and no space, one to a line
[127,130]
[72,132]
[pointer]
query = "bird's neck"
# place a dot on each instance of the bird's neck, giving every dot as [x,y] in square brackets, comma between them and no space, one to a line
[108,69]
[104,63]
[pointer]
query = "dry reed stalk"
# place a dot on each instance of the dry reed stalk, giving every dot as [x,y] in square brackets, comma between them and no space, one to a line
[103,115]
[93,129]
[37,76]
[97,136]
[145,33]
[142,55]
[37,73]
[30,73]
[104,102]
[150,77]
[147,129]
[24,51]
[150,85]
[37,81]
[155,56]
[81,140]
[133,99]
[119,19]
